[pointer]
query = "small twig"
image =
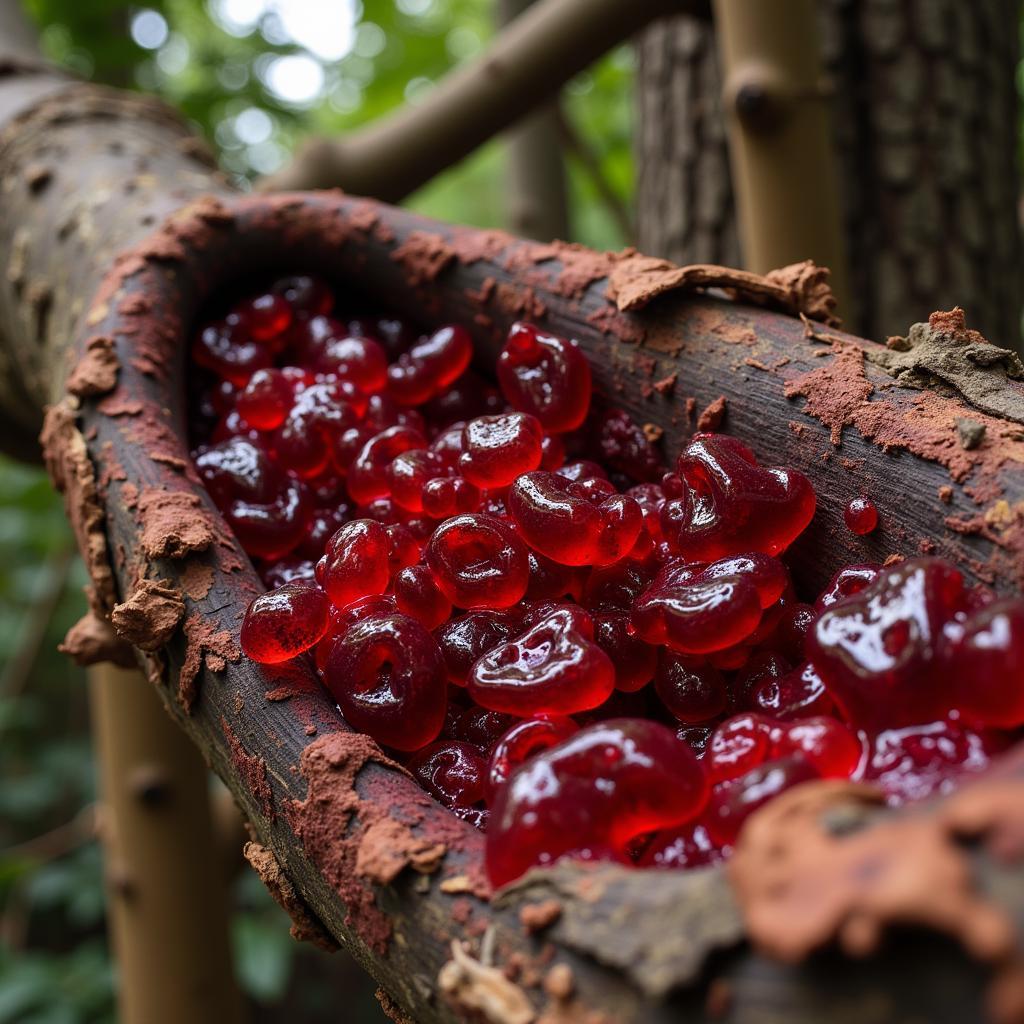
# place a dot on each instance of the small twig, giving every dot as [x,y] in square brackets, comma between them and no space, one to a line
[58,841]
[578,147]
[528,62]
[54,577]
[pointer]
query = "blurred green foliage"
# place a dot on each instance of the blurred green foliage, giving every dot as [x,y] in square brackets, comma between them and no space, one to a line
[219,62]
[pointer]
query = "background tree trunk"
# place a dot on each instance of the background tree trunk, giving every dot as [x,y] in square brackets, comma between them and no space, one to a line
[926,127]
[537,202]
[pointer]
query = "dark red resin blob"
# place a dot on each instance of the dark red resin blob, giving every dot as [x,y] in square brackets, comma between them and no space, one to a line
[699,609]
[478,561]
[860,516]
[553,667]
[521,742]
[387,675]
[595,791]
[729,503]
[546,376]
[559,519]
[497,449]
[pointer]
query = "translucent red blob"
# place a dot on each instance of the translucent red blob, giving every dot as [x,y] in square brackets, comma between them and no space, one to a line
[917,644]
[387,675]
[860,516]
[497,449]
[595,791]
[285,622]
[356,562]
[729,503]
[698,609]
[553,667]
[545,376]
[558,518]
[478,562]
[427,368]
[521,742]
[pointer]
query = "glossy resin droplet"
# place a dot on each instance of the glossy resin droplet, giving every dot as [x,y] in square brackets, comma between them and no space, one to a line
[860,516]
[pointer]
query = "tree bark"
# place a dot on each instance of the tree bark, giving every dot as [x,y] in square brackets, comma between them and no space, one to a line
[925,110]
[350,846]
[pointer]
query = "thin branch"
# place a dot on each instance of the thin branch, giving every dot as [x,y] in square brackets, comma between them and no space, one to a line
[53,579]
[581,151]
[525,65]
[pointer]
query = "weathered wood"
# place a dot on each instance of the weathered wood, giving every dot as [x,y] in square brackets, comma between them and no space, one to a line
[357,839]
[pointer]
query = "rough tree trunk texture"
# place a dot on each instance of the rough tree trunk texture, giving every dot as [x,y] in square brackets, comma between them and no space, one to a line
[347,843]
[925,109]
[537,201]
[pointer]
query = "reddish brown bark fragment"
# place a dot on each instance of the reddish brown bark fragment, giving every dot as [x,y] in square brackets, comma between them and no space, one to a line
[711,417]
[252,770]
[208,646]
[150,615]
[92,640]
[96,371]
[423,256]
[174,523]
[535,917]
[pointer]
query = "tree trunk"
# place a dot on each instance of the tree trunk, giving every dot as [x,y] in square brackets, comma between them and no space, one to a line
[926,128]
[537,202]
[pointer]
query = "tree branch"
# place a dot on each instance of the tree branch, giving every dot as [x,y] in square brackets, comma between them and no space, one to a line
[525,65]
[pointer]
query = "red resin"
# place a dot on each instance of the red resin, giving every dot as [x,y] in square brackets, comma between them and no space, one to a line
[747,741]
[635,661]
[430,366]
[729,503]
[418,491]
[546,376]
[560,519]
[225,349]
[595,791]
[686,847]
[698,608]
[265,317]
[409,473]
[266,399]
[452,772]
[418,596]
[468,637]
[920,761]
[285,622]
[497,449]
[731,803]
[916,645]
[521,742]
[368,472]
[356,562]
[553,667]
[691,693]
[387,675]
[860,516]
[478,561]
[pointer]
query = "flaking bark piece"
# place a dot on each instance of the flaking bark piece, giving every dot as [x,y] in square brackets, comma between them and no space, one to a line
[151,614]
[946,352]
